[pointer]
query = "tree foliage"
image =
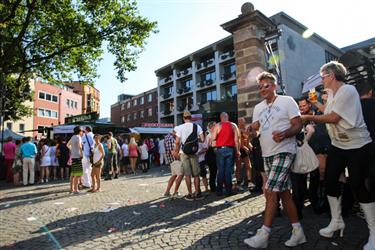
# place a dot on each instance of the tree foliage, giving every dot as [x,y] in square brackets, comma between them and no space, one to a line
[59,40]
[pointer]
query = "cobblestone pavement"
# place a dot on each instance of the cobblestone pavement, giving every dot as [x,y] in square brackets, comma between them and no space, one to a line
[130,213]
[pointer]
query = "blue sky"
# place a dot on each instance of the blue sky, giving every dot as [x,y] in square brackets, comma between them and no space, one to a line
[188,25]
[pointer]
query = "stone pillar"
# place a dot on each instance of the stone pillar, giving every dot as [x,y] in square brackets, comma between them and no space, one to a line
[248,31]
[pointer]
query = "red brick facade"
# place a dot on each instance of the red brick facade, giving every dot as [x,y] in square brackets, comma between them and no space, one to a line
[50,105]
[135,111]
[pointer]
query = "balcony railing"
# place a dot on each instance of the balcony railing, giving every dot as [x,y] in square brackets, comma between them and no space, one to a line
[227,55]
[167,95]
[229,75]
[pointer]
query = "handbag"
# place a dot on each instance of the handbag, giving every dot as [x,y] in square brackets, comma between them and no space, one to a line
[306,160]
[91,151]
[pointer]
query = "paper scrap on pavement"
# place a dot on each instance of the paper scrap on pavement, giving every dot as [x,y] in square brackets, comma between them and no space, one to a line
[108,209]
[334,243]
[165,230]
[7,205]
[250,232]
[112,229]
[31,219]
[114,203]
[219,202]
[58,203]
[153,206]
[127,223]
[71,209]
[136,213]
[249,221]
[143,184]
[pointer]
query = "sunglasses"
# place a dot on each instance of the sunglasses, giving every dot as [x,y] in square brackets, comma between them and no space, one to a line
[322,76]
[264,86]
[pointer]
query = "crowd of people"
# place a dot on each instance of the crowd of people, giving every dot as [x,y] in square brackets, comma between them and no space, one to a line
[339,127]
[84,158]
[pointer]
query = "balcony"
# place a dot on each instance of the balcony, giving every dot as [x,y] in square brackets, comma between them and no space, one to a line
[209,82]
[205,64]
[167,95]
[227,55]
[167,112]
[186,89]
[228,76]
[201,84]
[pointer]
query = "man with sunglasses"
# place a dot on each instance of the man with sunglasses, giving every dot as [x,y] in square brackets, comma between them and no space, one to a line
[278,120]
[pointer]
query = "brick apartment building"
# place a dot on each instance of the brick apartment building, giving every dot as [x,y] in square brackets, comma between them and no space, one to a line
[133,111]
[51,104]
[90,96]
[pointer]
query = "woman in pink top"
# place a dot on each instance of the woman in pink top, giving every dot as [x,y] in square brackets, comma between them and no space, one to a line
[133,154]
[9,150]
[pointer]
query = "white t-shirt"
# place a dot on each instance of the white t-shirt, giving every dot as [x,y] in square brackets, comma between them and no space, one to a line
[161,147]
[125,150]
[144,151]
[276,117]
[351,131]
[184,130]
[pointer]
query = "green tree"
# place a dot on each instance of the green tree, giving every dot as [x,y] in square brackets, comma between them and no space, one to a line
[59,40]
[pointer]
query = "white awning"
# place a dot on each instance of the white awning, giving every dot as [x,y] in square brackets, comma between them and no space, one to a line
[159,131]
[64,129]
[312,82]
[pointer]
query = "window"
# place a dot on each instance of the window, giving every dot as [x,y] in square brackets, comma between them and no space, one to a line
[9,125]
[230,92]
[22,127]
[68,103]
[330,57]
[41,112]
[47,113]
[208,96]
[149,112]
[41,129]
[149,98]
[135,102]
[210,76]
[48,97]
[141,100]
[42,95]
[75,105]
[128,105]
[141,114]
[122,119]
[129,117]
[123,106]
[135,116]
[189,83]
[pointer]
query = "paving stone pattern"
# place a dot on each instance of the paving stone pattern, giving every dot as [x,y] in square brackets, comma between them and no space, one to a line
[131,213]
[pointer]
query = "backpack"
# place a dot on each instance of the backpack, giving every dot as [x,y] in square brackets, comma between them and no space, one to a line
[190,147]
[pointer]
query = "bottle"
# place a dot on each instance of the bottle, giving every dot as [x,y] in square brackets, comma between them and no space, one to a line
[313,97]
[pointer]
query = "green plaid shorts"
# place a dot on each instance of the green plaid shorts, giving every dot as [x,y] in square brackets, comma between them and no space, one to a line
[277,168]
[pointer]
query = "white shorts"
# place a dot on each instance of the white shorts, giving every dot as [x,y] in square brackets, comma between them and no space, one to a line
[176,168]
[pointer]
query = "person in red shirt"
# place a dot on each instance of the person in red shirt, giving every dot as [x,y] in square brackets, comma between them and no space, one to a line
[227,147]
[9,151]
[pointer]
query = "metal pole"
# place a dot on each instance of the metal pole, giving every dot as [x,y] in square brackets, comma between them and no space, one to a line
[2,113]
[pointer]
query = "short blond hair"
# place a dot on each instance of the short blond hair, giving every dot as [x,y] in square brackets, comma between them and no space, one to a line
[266,76]
[338,69]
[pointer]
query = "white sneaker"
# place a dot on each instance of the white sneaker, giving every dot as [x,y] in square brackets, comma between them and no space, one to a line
[46,180]
[260,240]
[42,181]
[298,237]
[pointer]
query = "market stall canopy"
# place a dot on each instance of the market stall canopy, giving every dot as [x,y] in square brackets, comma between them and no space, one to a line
[98,128]
[158,131]
[312,82]
[8,133]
